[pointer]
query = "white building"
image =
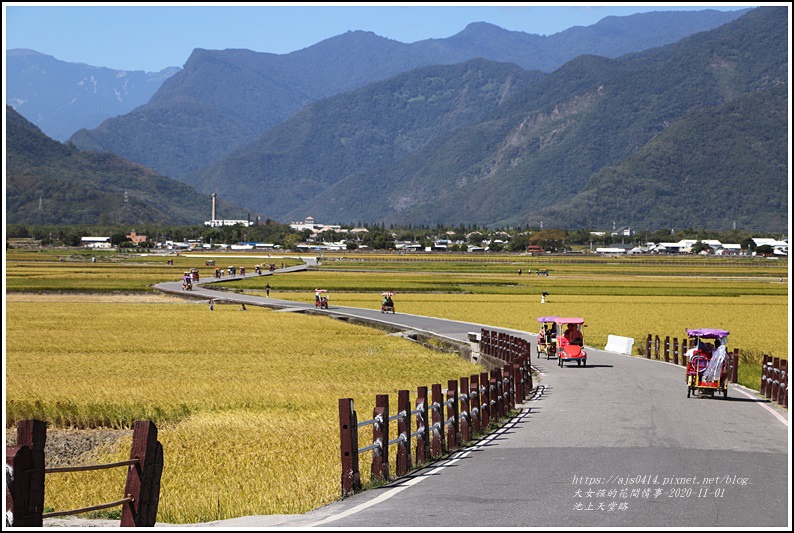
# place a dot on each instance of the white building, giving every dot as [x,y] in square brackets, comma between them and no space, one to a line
[216,223]
[95,242]
[315,228]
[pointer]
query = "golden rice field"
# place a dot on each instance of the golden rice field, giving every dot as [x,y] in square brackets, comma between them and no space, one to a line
[246,402]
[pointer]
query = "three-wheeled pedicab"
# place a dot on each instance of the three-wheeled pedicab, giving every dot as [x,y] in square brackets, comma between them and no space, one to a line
[387,304]
[707,362]
[187,281]
[547,337]
[570,342]
[320,298]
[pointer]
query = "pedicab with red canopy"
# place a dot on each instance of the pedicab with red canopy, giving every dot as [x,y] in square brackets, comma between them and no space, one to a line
[321,298]
[570,350]
[707,362]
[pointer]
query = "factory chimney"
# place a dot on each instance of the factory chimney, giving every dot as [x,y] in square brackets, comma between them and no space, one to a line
[213,206]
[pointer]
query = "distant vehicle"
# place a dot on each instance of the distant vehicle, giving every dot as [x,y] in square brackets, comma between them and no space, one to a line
[320,299]
[387,304]
[532,249]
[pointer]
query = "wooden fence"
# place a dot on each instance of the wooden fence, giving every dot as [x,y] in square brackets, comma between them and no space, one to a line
[471,404]
[503,346]
[25,476]
[774,380]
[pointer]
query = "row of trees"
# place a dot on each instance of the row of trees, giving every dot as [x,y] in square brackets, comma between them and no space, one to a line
[377,237]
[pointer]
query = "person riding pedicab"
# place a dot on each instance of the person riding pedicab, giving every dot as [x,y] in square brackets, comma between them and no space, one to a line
[573,335]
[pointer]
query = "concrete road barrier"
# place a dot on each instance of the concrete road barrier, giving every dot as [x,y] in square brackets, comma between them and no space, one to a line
[616,343]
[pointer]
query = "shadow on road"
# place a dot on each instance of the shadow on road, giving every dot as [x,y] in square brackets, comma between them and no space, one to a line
[585,367]
[734,399]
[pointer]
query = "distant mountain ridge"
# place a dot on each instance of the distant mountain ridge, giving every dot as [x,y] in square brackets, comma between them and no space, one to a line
[550,150]
[48,182]
[222,100]
[61,98]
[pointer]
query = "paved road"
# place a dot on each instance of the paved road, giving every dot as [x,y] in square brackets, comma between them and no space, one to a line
[614,444]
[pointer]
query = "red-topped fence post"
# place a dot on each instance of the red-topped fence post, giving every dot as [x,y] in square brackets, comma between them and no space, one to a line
[380,436]
[348,438]
[453,434]
[422,427]
[439,444]
[143,478]
[485,401]
[403,432]
[33,434]
[474,403]
[465,410]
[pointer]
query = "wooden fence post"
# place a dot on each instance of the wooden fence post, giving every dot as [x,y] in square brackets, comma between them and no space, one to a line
[404,432]
[507,388]
[518,378]
[530,386]
[762,390]
[19,472]
[496,395]
[675,350]
[782,393]
[648,347]
[380,433]
[453,435]
[485,401]
[143,479]
[422,427]
[735,366]
[775,378]
[465,410]
[474,404]
[684,349]
[439,446]
[33,434]
[348,439]
[667,349]
[656,348]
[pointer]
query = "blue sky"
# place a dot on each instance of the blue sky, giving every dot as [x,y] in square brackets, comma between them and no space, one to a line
[153,36]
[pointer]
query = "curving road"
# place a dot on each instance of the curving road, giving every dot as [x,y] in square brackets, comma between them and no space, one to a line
[614,444]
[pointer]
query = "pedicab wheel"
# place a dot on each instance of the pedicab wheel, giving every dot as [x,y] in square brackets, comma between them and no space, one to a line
[584,362]
[725,393]
[578,362]
[688,391]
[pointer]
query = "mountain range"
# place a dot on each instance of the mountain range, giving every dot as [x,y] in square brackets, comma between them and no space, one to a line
[644,138]
[48,182]
[61,98]
[629,140]
[224,99]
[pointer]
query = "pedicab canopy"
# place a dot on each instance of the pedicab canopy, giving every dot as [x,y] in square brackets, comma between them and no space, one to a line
[544,319]
[387,294]
[568,320]
[707,333]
